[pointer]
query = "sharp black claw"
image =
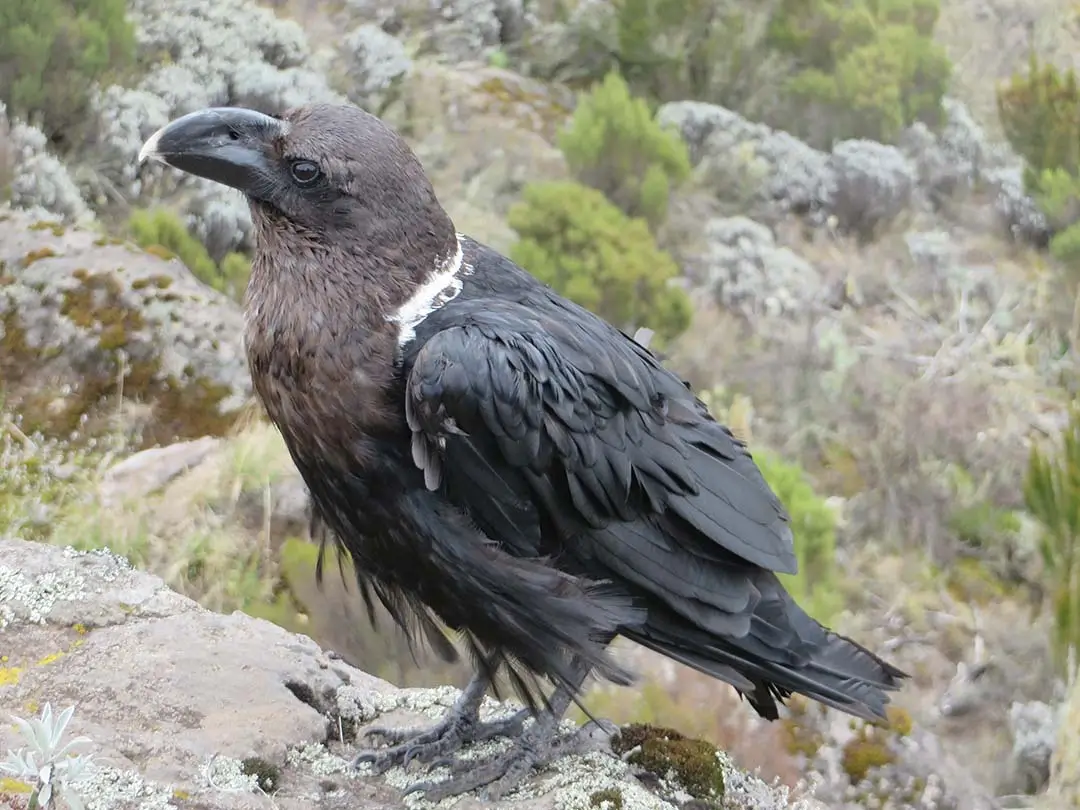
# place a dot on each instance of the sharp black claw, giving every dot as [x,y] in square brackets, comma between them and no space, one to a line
[413,752]
[443,762]
[418,787]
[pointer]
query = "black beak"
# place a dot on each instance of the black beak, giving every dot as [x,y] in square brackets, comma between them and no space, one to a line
[229,145]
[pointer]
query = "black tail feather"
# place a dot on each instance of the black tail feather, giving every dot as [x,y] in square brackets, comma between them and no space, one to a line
[831,669]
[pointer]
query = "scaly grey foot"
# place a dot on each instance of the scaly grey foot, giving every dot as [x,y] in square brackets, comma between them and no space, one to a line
[459,727]
[503,773]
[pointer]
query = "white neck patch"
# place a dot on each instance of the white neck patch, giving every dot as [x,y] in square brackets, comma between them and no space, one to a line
[444,285]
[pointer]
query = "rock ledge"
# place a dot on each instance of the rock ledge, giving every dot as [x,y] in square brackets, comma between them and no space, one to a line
[192,709]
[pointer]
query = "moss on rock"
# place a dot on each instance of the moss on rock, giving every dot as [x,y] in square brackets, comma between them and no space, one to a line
[872,745]
[56,228]
[666,753]
[267,775]
[866,750]
[801,732]
[88,324]
[37,255]
[607,799]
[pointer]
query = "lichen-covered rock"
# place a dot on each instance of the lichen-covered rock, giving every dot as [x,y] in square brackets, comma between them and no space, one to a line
[795,175]
[859,182]
[206,53]
[874,184]
[1064,790]
[886,766]
[450,30]
[746,270]
[1034,727]
[186,708]
[88,322]
[38,179]
[376,63]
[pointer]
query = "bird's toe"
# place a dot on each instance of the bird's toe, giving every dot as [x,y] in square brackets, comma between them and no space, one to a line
[440,742]
[501,774]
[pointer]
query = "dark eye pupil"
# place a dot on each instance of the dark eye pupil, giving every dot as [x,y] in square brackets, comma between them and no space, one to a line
[304,171]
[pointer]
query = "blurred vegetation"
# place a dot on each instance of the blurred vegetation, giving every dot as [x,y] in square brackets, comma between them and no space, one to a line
[573,238]
[813,523]
[816,586]
[53,53]
[1040,113]
[863,69]
[162,233]
[669,50]
[1052,495]
[843,68]
[614,144]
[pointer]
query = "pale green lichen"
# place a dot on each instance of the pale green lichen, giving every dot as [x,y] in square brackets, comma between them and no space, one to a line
[107,788]
[228,775]
[27,599]
[316,758]
[31,599]
[576,782]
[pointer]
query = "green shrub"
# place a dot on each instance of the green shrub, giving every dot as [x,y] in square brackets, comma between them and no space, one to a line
[53,53]
[671,50]
[1052,496]
[813,524]
[573,238]
[615,145]
[1057,193]
[863,69]
[1040,114]
[161,232]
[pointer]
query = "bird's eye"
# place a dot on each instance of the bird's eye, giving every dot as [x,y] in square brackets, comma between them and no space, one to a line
[304,172]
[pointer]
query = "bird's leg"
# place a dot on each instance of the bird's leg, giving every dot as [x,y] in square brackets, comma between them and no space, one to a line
[458,727]
[535,748]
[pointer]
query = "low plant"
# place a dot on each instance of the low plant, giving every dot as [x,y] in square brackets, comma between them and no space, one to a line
[52,770]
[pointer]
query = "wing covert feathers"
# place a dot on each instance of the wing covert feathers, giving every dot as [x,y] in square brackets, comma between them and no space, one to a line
[526,417]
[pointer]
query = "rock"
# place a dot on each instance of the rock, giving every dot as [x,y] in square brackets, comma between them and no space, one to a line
[1064,789]
[792,174]
[745,269]
[34,176]
[186,708]
[376,64]
[894,766]
[453,31]
[482,134]
[1034,728]
[862,183]
[86,322]
[149,470]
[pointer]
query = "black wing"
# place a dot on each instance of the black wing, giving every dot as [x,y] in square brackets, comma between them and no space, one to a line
[532,416]
[539,415]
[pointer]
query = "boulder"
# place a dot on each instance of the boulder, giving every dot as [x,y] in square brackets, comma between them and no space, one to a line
[482,134]
[1064,790]
[184,708]
[88,323]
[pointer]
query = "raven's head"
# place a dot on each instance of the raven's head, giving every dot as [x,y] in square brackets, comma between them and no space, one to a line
[329,172]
